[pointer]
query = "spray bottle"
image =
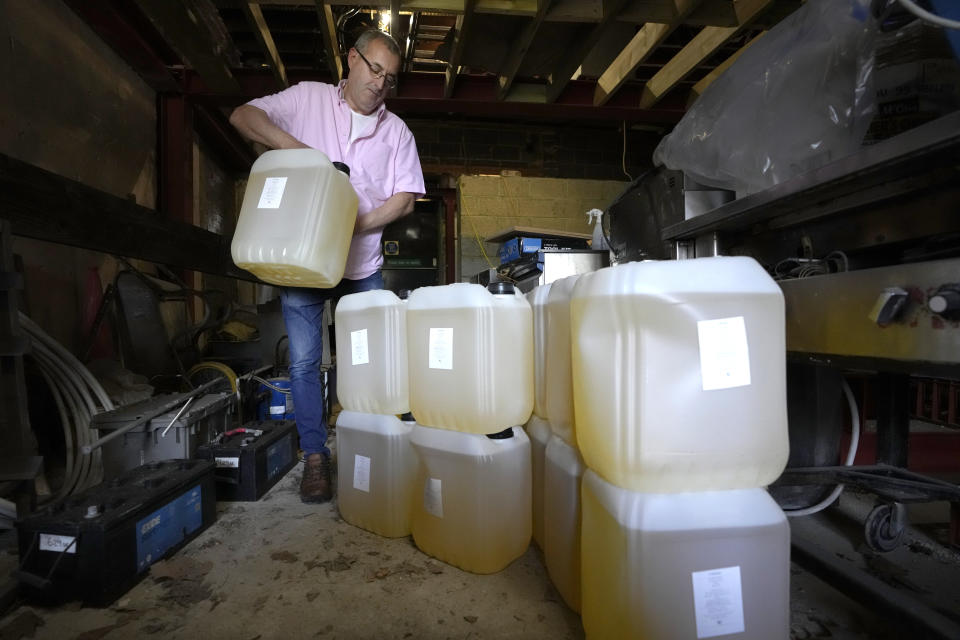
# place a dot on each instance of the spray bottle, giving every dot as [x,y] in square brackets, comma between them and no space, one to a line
[599,242]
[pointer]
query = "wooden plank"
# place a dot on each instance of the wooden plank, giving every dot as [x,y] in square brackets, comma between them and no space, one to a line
[262,32]
[456,54]
[563,71]
[192,41]
[648,38]
[519,49]
[703,45]
[708,79]
[330,43]
[45,206]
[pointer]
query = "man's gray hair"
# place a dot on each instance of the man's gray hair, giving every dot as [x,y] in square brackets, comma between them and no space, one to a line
[370,35]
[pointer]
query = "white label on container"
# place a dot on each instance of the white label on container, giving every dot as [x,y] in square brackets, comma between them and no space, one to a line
[272,193]
[433,497]
[359,348]
[441,348]
[60,544]
[724,357]
[718,602]
[278,409]
[361,473]
[227,463]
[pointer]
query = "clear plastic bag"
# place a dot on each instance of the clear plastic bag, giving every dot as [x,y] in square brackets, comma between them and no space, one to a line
[799,98]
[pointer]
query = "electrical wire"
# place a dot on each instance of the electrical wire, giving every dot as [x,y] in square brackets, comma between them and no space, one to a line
[623,158]
[851,456]
[270,385]
[932,18]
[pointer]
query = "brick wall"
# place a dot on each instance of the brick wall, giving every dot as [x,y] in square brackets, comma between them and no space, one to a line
[594,153]
[488,204]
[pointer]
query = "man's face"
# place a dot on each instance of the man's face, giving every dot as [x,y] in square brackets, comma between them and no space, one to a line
[364,91]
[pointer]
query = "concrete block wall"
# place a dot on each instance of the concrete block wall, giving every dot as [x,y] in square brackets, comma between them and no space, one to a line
[488,204]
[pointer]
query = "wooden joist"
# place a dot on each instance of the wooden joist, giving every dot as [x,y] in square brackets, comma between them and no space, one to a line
[648,38]
[708,79]
[519,49]
[192,41]
[331,46]
[262,32]
[462,27]
[563,71]
[703,45]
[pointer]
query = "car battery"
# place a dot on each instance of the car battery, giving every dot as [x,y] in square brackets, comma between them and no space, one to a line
[96,545]
[252,459]
[201,421]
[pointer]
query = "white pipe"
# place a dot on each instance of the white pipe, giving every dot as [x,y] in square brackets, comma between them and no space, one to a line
[851,456]
[932,18]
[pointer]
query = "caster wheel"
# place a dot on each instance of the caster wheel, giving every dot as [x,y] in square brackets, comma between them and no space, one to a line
[883,528]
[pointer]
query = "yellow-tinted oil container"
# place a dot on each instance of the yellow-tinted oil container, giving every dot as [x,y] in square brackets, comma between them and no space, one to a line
[376,472]
[371,333]
[538,430]
[679,374]
[470,354]
[683,565]
[471,504]
[559,373]
[562,471]
[538,303]
[297,219]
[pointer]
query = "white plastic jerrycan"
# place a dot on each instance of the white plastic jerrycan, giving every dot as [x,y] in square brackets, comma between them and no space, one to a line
[471,504]
[376,472]
[683,565]
[297,219]
[371,332]
[538,303]
[680,374]
[470,354]
[558,380]
[562,472]
[538,430]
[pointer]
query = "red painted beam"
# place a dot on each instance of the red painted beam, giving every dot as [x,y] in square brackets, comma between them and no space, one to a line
[176,158]
[927,452]
[474,95]
[235,152]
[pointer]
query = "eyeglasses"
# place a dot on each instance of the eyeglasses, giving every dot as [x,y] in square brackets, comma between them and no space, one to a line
[389,80]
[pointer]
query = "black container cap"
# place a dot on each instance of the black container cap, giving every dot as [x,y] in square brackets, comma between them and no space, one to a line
[403,294]
[342,167]
[501,288]
[407,417]
[502,435]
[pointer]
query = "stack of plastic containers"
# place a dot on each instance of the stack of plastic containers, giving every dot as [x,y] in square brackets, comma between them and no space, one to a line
[470,355]
[563,465]
[680,402]
[376,463]
[537,427]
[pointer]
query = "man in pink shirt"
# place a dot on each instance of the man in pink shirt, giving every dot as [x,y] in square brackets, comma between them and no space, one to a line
[350,124]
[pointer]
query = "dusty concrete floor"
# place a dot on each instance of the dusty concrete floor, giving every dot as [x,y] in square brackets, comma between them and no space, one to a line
[281,569]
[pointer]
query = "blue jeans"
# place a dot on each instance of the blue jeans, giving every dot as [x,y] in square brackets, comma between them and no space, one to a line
[303,315]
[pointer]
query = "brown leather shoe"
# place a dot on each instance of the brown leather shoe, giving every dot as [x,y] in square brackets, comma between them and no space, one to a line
[315,486]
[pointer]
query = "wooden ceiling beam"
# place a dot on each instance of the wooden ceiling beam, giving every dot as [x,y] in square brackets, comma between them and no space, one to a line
[703,45]
[328,30]
[262,32]
[192,41]
[569,63]
[518,50]
[648,38]
[708,79]
[464,22]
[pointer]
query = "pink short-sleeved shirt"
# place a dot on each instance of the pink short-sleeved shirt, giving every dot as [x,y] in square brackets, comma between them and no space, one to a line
[382,162]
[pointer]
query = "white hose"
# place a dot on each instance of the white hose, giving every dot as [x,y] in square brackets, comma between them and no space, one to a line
[79,396]
[851,456]
[932,18]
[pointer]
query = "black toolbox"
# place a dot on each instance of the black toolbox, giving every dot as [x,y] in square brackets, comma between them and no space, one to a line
[99,543]
[252,459]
